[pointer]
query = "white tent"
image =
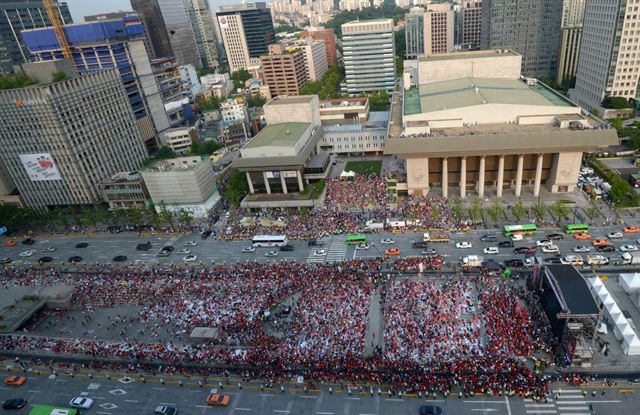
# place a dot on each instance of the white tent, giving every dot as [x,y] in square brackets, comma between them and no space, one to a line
[620,327]
[347,174]
[631,345]
[630,282]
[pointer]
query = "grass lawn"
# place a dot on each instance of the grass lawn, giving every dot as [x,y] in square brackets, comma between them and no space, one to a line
[364,167]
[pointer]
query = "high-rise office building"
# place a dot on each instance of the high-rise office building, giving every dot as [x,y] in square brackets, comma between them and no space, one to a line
[529,27]
[329,38]
[316,58]
[430,31]
[284,71]
[15,16]
[571,34]
[369,55]
[247,31]
[151,15]
[414,33]
[204,31]
[110,44]
[608,65]
[60,140]
[470,24]
[180,29]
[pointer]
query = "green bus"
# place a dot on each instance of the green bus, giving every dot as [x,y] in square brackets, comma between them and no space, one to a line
[526,229]
[356,239]
[52,410]
[577,228]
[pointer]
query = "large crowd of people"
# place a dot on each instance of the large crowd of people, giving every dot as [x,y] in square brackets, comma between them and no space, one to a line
[438,333]
[361,192]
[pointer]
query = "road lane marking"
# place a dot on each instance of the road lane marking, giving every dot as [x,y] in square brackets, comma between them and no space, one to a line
[281,411]
[394,400]
[244,409]
[166,404]
[324,413]
[308,397]
[131,400]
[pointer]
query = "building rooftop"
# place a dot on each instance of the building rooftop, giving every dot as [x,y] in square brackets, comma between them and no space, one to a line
[176,164]
[343,102]
[123,177]
[366,22]
[466,92]
[467,55]
[287,100]
[279,135]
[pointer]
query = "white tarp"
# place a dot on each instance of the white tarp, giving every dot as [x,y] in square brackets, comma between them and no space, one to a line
[40,167]
[630,282]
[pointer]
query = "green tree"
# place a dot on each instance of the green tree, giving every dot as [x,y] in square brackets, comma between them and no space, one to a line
[617,124]
[545,80]
[236,188]
[134,216]
[475,211]
[379,101]
[435,214]
[568,82]
[386,10]
[204,148]
[595,112]
[592,211]
[11,217]
[186,217]
[495,211]
[518,211]
[255,101]
[211,103]
[205,71]
[559,210]
[239,78]
[19,80]
[166,216]
[456,209]
[163,153]
[59,76]
[328,86]
[616,103]
[539,210]
[401,44]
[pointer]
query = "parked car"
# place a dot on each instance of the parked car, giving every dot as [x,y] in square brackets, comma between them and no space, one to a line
[430,410]
[463,245]
[81,402]
[215,399]
[491,250]
[165,410]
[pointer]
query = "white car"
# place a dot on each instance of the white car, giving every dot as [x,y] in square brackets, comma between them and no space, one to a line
[492,250]
[271,253]
[49,249]
[185,251]
[614,235]
[320,252]
[361,247]
[387,241]
[191,243]
[190,258]
[550,249]
[544,242]
[81,402]
[572,260]
[463,245]
[628,248]
[26,254]
[516,237]
[248,249]
[581,249]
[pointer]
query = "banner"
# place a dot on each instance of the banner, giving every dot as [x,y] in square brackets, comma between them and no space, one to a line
[288,174]
[40,167]
[224,23]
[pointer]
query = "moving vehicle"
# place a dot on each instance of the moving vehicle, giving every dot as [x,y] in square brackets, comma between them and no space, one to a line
[14,404]
[600,242]
[165,410]
[525,250]
[430,410]
[628,248]
[550,249]
[514,263]
[248,249]
[190,258]
[525,229]
[555,236]
[28,241]
[9,243]
[168,248]
[49,249]
[517,237]
[371,225]
[387,241]
[582,236]
[27,254]
[472,261]
[489,238]
[632,229]
[553,260]
[356,239]
[429,251]
[362,247]
[320,252]
[191,243]
[81,402]
[419,245]
[119,258]
[614,235]
[163,253]
[463,245]
[505,244]
[75,258]
[185,251]
[436,237]
[5,260]
[597,260]
[82,245]
[606,248]
[269,240]
[286,248]
[491,250]
[572,260]
[45,260]
[271,254]
[544,242]
[314,242]
[581,248]
[392,252]
[576,228]
[15,380]
[144,247]
[205,234]
[630,258]
[214,399]
[52,410]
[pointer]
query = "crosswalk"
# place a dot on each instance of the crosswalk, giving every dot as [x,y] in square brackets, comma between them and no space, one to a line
[336,250]
[567,402]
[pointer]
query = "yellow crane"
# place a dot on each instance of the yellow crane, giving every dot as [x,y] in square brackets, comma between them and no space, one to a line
[54,17]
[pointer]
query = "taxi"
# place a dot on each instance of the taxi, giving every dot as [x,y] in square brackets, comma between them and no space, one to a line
[10,242]
[632,229]
[392,251]
[600,242]
[215,399]
[583,235]
[15,380]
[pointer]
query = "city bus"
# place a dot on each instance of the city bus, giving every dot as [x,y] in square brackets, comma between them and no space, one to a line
[269,240]
[577,228]
[526,229]
[356,239]
[52,410]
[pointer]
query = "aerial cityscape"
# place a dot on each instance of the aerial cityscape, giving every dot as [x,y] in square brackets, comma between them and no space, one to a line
[320,207]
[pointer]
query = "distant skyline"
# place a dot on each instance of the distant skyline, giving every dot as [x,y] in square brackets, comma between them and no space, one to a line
[81,8]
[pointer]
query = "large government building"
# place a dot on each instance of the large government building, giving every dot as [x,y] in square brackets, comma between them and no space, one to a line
[470,121]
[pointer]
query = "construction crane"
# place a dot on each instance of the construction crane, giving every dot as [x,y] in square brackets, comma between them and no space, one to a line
[54,17]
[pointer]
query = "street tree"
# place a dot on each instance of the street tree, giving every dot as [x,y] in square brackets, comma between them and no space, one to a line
[539,210]
[475,211]
[560,211]
[518,211]
[495,211]
[456,209]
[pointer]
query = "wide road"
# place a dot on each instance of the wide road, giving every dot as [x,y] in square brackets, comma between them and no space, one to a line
[117,396]
[104,247]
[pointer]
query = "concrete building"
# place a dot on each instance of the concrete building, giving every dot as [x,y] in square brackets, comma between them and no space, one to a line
[327,36]
[151,15]
[180,139]
[607,65]
[528,27]
[189,74]
[369,55]
[125,190]
[19,15]
[201,19]
[285,71]
[414,33]
[60,140]
[111,44]
[350,128]
[182,183]
[570,37]
[124,15]
[472,122]
[235,120]
[316,59]
[178,24]
[470,24]
[246,30]
[439,27]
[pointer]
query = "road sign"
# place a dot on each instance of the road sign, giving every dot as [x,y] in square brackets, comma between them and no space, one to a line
[3,230]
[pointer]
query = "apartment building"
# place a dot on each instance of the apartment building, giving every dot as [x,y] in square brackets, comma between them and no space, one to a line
[284,70]
[327,36]
[470,24]
[570,38]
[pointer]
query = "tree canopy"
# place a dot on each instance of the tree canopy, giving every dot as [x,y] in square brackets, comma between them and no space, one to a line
[386,10]
[19,80]
[240,77]
[616,103]
[204,148]
[328,86]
